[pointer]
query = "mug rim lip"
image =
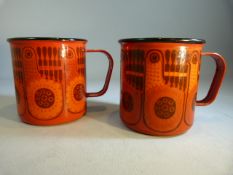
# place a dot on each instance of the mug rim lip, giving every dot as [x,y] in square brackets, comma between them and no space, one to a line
[164,40]
[45,38]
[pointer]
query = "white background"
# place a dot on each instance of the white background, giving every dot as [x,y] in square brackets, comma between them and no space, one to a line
[104,22]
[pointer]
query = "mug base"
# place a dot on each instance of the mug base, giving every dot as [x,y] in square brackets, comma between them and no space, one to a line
[59,121]
[159,134]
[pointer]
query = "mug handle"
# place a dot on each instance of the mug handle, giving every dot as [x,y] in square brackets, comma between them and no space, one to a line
[217,80]
[108,76]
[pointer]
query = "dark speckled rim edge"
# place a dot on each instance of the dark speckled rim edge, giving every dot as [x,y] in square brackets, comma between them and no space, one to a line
[45,38]
[164,40]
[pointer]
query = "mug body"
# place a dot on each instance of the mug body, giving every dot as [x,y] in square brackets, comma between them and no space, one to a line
[49,76]
[159,81]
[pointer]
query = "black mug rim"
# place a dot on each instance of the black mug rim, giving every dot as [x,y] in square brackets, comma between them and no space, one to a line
[164,40]
[45,38]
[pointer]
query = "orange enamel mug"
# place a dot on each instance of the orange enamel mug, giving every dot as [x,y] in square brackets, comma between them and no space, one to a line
[50,78]
[159,82]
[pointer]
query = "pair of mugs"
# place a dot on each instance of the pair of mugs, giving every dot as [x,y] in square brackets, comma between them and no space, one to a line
[159,81]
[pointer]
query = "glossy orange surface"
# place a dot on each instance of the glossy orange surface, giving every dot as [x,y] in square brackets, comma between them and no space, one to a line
[159,82]
[50,79]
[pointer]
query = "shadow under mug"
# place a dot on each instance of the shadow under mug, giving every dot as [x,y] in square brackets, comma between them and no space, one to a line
[50,78]
[159,82]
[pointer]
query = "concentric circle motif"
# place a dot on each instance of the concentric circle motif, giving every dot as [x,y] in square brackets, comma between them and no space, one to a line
[165,107]
[154,57]
[28,53]
[44,98]
[79,92]
[127,101]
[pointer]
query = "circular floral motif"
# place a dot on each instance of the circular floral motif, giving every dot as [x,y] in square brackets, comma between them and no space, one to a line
[75,95]
[70,53]
[127,101]
[44,98]
[154,57]
[78,92]
[165,107]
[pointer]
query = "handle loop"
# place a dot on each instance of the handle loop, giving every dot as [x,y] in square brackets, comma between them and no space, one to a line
[108,76]
[217,80]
